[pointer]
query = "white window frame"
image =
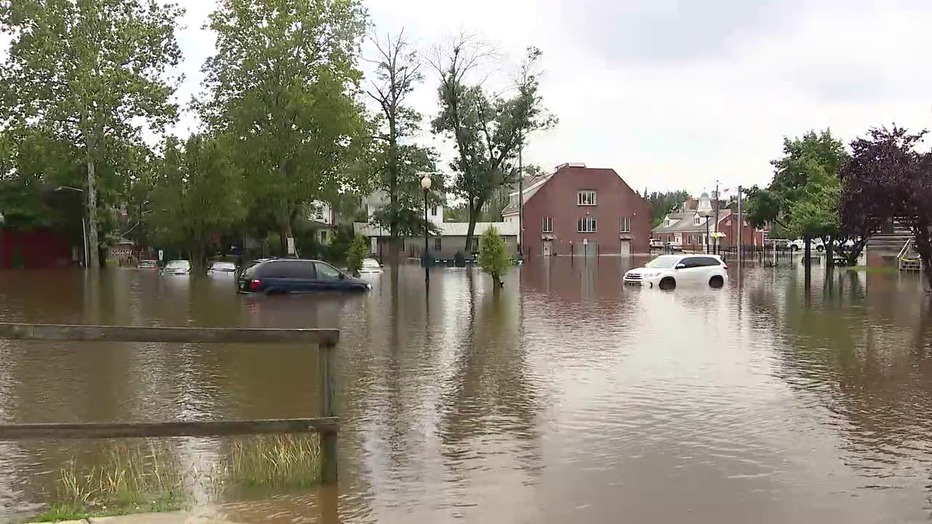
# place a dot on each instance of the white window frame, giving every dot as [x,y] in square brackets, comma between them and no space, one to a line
[547,225]
[587,224]
[587,197]
[625,224]
[697,220]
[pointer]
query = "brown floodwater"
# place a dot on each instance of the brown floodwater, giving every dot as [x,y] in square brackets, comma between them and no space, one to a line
[566,397]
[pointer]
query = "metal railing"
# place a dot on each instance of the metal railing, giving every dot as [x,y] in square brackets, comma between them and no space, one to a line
[326,425]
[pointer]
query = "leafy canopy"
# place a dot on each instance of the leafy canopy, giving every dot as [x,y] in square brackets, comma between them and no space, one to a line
[493,255]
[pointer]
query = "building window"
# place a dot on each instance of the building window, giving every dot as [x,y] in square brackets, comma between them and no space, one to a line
[585,224]
[666,222]
[547,226]
[586,197]
[434,211]
[437,244]
[697,220]
[625,224]
[319,212]
[323,236]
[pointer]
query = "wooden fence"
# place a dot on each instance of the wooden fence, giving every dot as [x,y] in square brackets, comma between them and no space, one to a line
[327,424]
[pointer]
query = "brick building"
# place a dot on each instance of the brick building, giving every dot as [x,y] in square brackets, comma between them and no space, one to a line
[581,211]
[684,226]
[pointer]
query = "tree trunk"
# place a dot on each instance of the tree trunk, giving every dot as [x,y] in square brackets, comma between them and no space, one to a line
[830,252]
[924,247]
[471,229]
[92,241]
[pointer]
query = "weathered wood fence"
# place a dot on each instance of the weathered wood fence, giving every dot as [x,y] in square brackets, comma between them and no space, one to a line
[327,424]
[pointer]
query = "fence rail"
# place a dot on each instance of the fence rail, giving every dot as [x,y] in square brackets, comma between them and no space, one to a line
[327,424]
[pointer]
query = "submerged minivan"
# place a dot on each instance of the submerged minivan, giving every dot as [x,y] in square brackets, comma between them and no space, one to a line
[291,275]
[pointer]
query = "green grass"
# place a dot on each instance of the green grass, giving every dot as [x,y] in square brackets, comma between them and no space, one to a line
[149,478]
[878,270]
[284,461]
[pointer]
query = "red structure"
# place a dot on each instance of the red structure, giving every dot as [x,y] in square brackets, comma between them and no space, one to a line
[37,249]
[684,226]
[581,211]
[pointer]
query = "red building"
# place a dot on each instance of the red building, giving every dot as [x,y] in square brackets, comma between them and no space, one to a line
[684,226]
[581,211]
[37,249]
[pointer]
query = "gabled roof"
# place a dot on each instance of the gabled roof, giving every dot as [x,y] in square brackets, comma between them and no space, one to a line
[447,229]
[538,182]
[686,225]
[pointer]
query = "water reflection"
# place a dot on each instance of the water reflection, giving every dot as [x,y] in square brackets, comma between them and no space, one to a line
[566,396]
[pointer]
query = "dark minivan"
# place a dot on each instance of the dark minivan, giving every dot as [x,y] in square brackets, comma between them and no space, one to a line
[297,276]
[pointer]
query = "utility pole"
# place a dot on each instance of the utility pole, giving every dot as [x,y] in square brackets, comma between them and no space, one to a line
[717,196]
[740,235]
[521,200]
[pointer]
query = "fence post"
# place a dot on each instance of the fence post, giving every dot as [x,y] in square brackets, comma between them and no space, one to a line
[328,439]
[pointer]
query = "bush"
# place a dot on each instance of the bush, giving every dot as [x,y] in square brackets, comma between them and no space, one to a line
[358,250]
[493,255]
[459,259]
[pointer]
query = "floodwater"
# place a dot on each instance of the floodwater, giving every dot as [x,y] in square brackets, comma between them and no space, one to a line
[566,397]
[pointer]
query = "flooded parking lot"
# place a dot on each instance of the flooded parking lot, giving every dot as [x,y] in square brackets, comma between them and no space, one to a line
[567,396]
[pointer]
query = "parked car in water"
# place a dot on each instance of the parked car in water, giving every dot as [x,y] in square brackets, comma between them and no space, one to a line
[800,245]
[674,246]
[177,267]
[370,266]
[291,275]
[147,264]
[669,271]
[656,243]
[222,268]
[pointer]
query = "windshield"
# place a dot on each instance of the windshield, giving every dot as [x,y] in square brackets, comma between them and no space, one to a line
[663,262]
[369,262]
[174,264]
[223,265]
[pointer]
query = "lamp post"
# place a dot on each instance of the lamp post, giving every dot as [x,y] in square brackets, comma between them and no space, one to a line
[83,225]
[425,185]
[705,211]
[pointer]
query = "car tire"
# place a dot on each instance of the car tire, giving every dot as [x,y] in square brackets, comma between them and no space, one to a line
[794,248]
[717,282]
[667,284]
[820,248]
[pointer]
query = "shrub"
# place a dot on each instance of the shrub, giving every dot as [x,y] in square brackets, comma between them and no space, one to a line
[493,255]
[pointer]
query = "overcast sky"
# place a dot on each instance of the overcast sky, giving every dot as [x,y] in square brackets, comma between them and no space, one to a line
[674,94]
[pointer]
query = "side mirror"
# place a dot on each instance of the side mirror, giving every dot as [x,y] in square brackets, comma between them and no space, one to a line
[681,266]
[342,276]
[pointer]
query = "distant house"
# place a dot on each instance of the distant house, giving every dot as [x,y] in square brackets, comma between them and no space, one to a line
[450,240]
[379,236]
[577,210]
[324,218]
[686,227]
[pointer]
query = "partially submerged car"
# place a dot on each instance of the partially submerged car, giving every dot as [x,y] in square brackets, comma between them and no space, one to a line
[669,271]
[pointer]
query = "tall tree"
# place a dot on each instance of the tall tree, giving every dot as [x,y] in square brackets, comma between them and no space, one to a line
[88,70]
[400,164]
[196,196]
[284,84]
[807,172]
[488,129]
[661,203]
[888,179]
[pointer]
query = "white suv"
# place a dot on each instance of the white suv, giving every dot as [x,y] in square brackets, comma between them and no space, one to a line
[668,271]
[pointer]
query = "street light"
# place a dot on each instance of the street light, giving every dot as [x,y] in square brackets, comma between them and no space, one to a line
[83,226]
[425,184]
[705,210]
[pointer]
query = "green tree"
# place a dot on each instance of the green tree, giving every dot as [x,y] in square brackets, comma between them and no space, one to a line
[805,179]
[196,196]
[283,83]
[89,70]
[488,130]
[493,255]
[358,251]
[399,163]
[662,203]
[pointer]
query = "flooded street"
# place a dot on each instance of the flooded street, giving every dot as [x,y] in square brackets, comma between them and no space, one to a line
[567,397]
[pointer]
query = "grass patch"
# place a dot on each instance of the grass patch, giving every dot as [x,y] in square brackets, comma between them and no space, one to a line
[144,477]
[148,477]
[282,461]
[877,270]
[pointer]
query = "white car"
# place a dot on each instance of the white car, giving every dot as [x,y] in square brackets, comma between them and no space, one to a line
[800,245]
[177,267]
[370,266]
[668,271]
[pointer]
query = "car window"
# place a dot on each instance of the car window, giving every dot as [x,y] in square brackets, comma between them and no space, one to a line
[281,269]
[663,262]
[705,261]
[176,264]
[327,272]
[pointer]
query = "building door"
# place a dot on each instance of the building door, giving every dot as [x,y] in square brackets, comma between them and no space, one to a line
[625,248]
[548,248]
